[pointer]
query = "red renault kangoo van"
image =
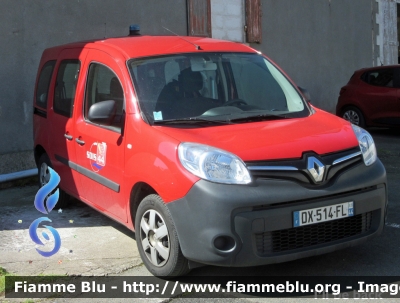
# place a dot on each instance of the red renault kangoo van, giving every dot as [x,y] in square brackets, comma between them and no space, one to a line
[206,150]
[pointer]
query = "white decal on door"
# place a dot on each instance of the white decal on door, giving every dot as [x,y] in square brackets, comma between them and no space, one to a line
[97,155]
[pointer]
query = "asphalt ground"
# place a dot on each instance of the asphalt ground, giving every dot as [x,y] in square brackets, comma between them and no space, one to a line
[92,244]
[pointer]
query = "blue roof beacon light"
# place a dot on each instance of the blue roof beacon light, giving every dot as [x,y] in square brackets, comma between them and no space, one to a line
[134,30]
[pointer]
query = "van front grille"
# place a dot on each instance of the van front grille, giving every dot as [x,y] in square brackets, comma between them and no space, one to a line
[310,235]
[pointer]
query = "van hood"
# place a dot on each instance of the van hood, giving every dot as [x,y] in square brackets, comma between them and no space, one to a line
[321,133]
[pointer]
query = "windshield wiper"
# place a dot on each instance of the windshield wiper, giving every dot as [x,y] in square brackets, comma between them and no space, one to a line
[197,120]
[192,120]
[260,117]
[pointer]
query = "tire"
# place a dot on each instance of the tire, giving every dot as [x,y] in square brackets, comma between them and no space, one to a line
[161,253]
[44,176]
[354,115]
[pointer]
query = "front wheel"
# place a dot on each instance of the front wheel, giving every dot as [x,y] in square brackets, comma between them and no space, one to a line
[157,239]
[354,115]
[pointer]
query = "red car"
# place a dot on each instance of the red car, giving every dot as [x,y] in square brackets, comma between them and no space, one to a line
[372,97]
[205,149]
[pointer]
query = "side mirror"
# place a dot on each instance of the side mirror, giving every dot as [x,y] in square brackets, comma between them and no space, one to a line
[305,93]
[102,112]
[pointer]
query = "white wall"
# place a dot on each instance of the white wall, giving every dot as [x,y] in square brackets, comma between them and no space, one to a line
[386,39]
[227,20]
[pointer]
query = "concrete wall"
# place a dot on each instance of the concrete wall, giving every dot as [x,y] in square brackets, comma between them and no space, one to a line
[320,43]
[28,27]
[227,20]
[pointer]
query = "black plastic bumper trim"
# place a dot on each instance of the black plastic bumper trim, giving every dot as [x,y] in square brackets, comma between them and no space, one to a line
[210,210]
[90,174]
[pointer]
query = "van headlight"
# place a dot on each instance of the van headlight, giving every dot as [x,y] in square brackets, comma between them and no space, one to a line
[367,145]
[213,164]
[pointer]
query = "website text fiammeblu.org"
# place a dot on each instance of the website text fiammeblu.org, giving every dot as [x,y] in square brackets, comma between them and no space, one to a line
[122,287]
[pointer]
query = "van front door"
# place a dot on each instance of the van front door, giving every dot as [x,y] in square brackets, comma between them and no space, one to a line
[100,151]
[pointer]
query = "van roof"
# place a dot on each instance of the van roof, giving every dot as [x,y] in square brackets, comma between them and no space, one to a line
[142,46]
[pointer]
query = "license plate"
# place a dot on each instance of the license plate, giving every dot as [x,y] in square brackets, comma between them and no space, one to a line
[323,214]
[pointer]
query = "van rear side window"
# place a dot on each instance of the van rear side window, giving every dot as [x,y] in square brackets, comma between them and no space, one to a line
[64,93]
[43,84]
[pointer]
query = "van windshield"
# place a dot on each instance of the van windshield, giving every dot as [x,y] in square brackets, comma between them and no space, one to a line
[218,87]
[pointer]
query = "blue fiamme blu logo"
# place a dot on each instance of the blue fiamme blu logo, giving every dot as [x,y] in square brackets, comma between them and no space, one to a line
[42,197]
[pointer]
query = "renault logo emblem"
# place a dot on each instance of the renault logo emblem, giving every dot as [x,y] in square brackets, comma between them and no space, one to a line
[316,169]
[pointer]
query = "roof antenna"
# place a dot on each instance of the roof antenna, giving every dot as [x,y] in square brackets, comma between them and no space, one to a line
[195,45]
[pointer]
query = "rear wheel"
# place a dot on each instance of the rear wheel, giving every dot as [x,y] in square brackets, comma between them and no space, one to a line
[157,239]
[44,177]
[354,115]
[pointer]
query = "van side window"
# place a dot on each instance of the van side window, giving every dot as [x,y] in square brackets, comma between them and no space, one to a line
[43,84]
[103,85]
[64,93]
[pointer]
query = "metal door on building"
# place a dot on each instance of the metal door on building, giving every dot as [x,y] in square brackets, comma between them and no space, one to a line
[199,18]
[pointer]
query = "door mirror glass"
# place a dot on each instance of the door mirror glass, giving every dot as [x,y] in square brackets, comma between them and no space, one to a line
[102,112]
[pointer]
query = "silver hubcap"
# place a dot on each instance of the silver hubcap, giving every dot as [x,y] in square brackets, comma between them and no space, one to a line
[44,174]
[352,117]
[154,237]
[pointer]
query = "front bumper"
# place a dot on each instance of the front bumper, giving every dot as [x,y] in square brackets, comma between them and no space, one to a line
[259,218]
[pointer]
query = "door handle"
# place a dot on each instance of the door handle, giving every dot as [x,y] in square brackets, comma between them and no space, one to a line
[69,137]
[80,142]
